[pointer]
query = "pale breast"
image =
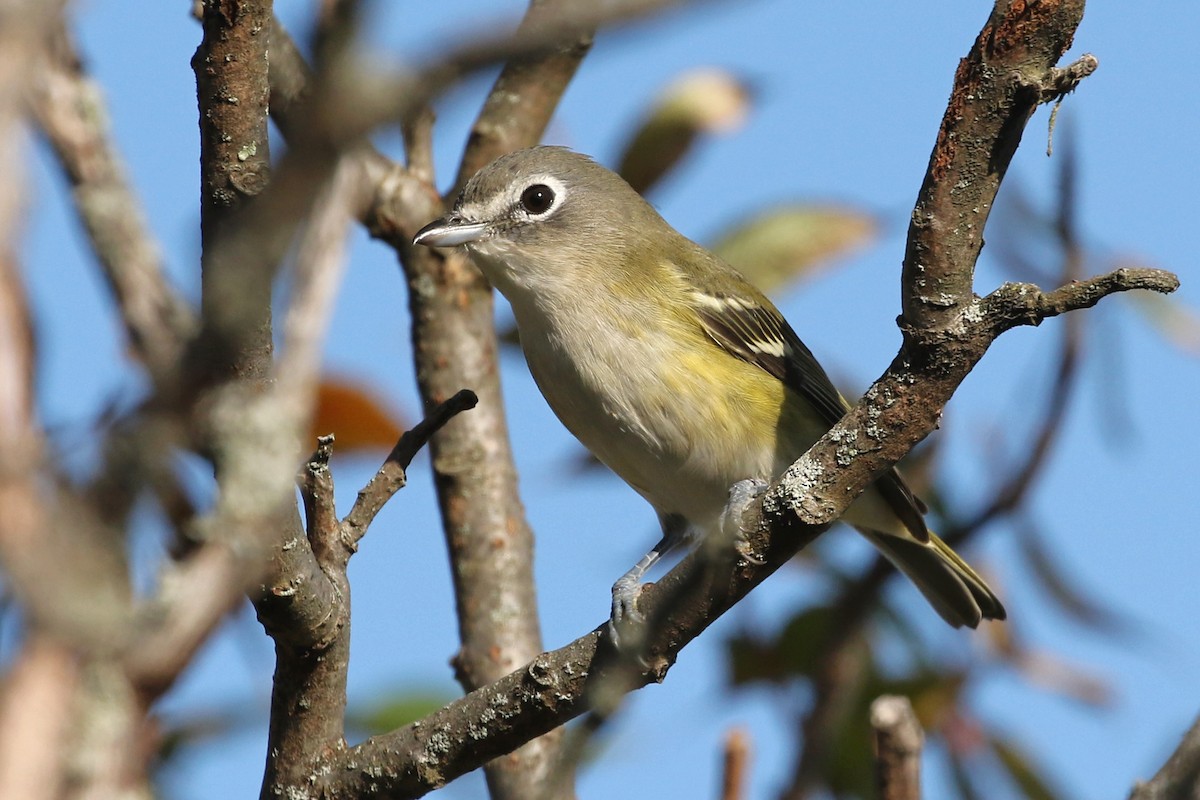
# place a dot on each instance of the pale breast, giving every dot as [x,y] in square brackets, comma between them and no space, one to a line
[678,423]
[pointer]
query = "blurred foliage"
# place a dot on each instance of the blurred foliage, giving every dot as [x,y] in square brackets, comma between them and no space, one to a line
[785,244]
[1168,316]
[394,709]
[701,101]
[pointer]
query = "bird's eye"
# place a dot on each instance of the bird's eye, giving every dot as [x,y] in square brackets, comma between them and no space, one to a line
[537,199]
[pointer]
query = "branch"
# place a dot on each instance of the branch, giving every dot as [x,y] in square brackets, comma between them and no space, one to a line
[527,91]
[898,742]
[69,108]
[391,477]
[308,701]
[1179,778]
[555,687]
[997,87]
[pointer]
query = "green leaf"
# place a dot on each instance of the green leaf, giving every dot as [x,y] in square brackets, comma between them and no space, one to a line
[787,243]
[698,102]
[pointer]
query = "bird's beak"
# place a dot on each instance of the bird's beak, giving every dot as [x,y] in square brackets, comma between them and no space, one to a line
[449,231]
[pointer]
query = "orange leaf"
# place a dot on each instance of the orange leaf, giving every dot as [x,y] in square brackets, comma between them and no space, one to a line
[355,416]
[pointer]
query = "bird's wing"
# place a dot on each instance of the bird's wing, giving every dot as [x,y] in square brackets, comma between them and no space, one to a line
[751,328]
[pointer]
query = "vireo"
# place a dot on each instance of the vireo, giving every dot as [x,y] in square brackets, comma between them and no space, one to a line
[672,369]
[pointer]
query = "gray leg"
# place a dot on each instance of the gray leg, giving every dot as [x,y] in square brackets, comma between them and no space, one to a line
[627,588]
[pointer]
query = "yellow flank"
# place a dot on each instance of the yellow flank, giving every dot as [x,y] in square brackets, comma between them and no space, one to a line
[732,399]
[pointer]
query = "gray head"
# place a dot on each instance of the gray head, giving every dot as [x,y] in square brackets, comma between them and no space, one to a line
[536,212]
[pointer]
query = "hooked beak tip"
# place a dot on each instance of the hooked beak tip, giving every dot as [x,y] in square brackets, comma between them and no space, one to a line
[449,232]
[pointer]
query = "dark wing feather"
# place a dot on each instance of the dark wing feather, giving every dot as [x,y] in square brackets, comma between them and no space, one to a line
[756,332]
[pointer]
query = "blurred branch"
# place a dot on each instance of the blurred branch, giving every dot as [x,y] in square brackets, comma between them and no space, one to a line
[527,91]
[291,90]
[316,277]
[372,99]
[36,717]
[59,569]
[898,743]
[1179,778]
[40,686]
[734,764]
[73,597]
[69,107]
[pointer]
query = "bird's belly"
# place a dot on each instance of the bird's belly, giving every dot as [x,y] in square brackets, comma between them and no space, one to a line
[674,431]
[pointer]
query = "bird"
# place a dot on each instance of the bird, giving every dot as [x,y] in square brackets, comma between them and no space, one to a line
[668,365]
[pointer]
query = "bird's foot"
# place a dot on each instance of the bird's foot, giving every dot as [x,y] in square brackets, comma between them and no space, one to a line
[742,495]
[625,612]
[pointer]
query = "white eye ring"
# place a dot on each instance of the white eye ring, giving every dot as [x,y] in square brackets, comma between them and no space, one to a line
[540,197]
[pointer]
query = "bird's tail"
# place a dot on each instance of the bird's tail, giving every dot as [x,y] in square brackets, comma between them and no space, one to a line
[954,590]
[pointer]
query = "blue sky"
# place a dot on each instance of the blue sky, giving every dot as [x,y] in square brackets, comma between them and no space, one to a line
[848,106]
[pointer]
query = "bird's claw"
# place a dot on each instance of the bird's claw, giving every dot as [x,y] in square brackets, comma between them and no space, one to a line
[627,617]
[742,495]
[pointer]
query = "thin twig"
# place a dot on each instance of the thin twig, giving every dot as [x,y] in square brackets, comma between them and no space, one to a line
[321,522]
[391,477]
